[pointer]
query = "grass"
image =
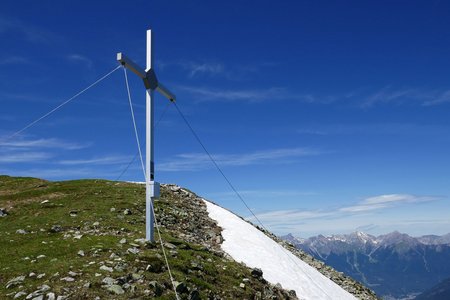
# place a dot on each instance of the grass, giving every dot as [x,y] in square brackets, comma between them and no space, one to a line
[36,206]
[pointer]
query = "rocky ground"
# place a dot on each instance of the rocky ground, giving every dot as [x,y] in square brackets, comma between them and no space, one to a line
[83,240]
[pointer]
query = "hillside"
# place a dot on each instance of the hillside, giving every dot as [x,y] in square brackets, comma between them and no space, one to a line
[83,239]
[437,292]
[395,265]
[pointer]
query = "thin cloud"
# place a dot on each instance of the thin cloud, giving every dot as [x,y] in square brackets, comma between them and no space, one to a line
[27,31]
[385,201]
[252,95]
[14,60]
[371,204]
[199,161]
[444,97]
[105,160]
[81,59]
[44,143]
[22,157]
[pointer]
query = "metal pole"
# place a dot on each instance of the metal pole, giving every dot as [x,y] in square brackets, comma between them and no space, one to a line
[149,162]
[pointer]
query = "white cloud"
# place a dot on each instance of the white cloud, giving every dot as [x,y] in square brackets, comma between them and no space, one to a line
[294,220]
[104,160]
[43,143]
[384,201]
[199,161]
[14,60]
[444,97]
[208,94]
[78,58]
[23,157]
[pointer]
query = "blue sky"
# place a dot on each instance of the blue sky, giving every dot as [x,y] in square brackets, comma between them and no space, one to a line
[328,116]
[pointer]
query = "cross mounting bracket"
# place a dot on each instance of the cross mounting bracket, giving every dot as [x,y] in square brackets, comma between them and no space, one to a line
[149,77]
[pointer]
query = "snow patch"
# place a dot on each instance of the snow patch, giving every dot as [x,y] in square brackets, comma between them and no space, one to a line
[245,243]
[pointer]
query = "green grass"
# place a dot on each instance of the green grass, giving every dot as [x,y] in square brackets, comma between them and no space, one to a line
[93,200]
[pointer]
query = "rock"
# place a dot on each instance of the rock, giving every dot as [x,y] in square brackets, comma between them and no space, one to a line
[106,268]
[80,253]
[73,213]
[115,289]
[109,281]
[45,201]
[40,297]
[170,246]
[51,296]
[68,279]
[73,274]
[123,241]
[242,285]
[61,298]
[87,285]
[127,212]
[40,276]
[41,256]
[15,281]
[39,292]
[156,287]
[96,224]
[180,287]
[257,273]
[133,250]
[20,295]
[113,209]
[3,212]
[56,229]
[32,274]
[194,295]
[21,231]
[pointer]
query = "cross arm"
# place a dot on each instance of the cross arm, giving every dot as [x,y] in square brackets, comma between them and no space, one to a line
[165,92]
[129,64]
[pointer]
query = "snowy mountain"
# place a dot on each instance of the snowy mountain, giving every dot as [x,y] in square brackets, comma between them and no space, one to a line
[246,244]
[394,265]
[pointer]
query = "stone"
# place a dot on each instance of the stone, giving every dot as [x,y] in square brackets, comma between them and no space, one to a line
[73,274]
[41,256]
[45,201]
[51,296]
[68,279]
[20,295]
[73,213]
[109,281]
[56,229]
[180,287]
[15,281]
[194,295]
[61,298]
[96,224]
[40,276]
[170,246]
[256,272]
[156,287]
[32,274]
[80,253]
[242,285]
[115,289]
[106,268]
[40,297]
[3,212]
[123,241]
[87,285]
[113,209]
[133,250]
[21,231]
[127,212]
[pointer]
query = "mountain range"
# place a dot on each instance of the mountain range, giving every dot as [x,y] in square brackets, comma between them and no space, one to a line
[394,265]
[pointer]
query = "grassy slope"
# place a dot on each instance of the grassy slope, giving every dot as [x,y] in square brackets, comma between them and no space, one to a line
[93,200]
